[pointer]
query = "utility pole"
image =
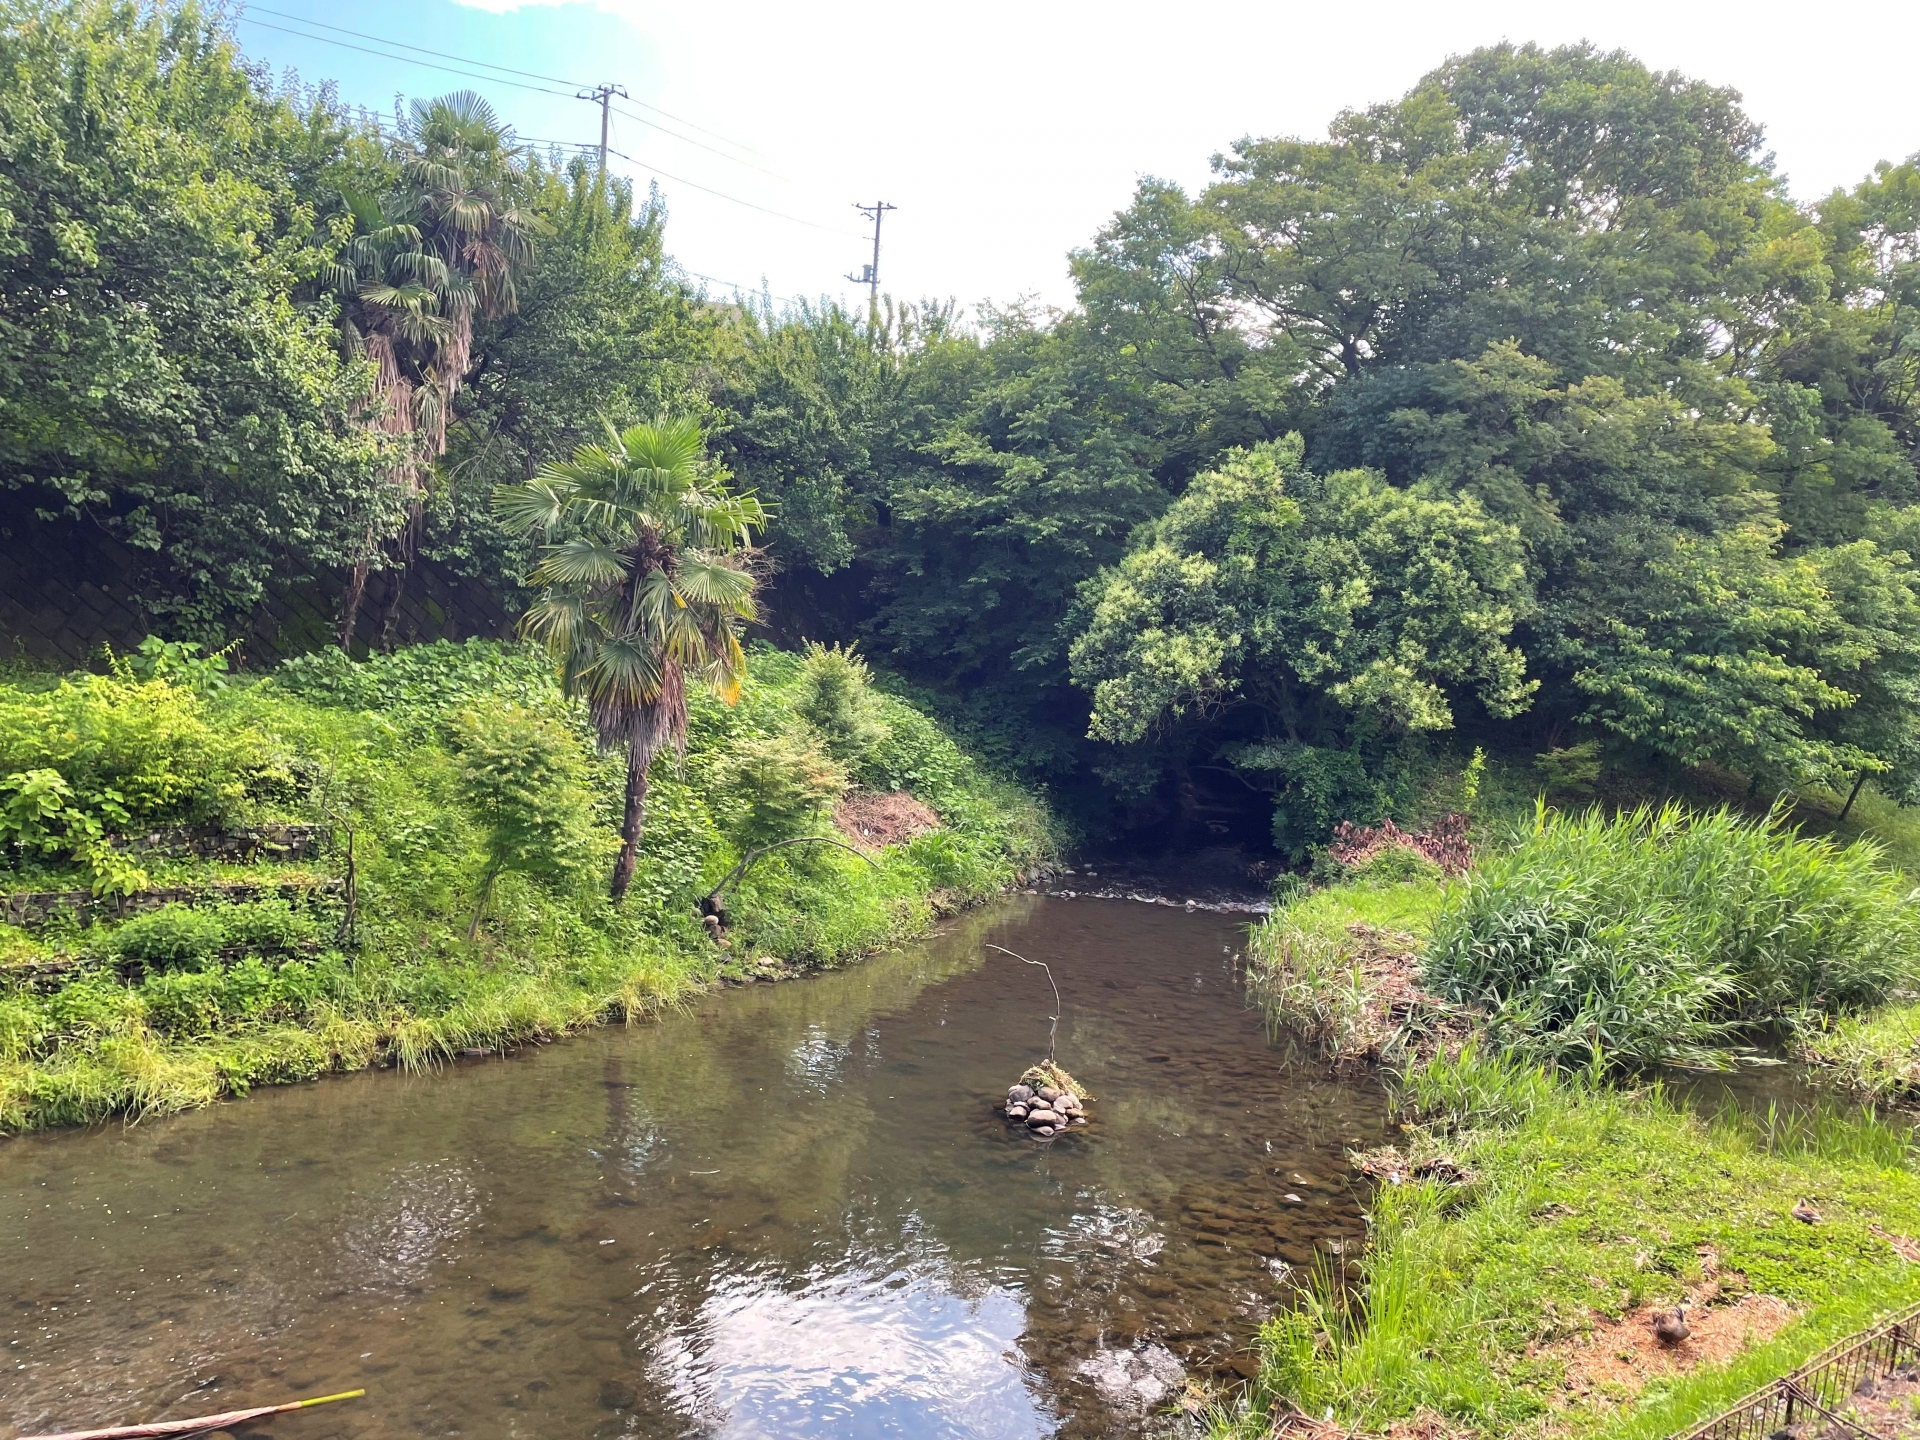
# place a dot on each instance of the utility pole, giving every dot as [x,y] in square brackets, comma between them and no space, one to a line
[869,275]
[604,94]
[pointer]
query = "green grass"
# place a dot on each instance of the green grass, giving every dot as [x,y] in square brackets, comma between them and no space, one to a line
[1311,963]
[180,1007]
[1584,1203]
[1407,908]
[1666,935]
[1875,1055]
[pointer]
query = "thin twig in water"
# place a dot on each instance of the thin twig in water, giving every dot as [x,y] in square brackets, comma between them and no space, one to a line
[1053,1030]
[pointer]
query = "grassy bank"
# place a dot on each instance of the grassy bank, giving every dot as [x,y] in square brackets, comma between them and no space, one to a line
[479,821]
[1514,1297]
[1546,1198]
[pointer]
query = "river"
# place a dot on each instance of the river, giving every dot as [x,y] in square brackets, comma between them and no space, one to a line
[786,1211]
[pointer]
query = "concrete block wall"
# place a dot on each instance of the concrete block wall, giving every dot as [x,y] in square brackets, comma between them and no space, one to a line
[68,588]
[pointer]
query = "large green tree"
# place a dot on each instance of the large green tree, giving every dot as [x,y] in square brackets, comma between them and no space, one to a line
[158,376]
[1334,609]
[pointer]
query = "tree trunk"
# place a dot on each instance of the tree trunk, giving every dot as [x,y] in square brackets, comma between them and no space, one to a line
[480,909]
[350,603]
[390,611]
[1855,795]
[638,757]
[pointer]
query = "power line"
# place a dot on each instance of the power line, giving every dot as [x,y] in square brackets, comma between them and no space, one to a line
[689,140]
[507,69]
[585,147]
[407,60]
[601,93]
[721,194]
[738,288]
[403,45]
[682,120]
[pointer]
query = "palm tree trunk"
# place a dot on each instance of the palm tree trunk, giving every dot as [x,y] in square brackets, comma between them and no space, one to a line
[350,603]
[638,758]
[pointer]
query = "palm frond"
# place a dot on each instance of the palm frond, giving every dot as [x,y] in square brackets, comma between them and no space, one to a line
[539,504]
[706,580]
[581,561]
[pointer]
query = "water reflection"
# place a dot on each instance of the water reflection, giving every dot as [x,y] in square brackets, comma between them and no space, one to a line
[789,1212]
[853,1353]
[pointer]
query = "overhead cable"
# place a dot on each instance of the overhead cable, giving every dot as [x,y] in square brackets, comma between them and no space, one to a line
[735,199]
[406,59]
[490,65]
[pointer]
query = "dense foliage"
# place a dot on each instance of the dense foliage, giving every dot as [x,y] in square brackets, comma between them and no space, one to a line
[159,373]
[1553,287]
[1603,438]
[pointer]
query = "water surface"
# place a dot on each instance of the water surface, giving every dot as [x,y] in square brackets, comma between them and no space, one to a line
[789,1211]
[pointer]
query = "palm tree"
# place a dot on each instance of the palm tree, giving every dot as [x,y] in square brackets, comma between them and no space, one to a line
[645,565]
[445,245]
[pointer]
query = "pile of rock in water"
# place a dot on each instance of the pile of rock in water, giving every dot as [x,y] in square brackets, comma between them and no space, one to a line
[1044,1108]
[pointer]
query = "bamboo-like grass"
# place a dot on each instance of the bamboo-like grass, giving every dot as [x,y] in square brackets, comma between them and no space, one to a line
[1668,935]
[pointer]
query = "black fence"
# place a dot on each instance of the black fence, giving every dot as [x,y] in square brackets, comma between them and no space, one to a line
[1808,1401]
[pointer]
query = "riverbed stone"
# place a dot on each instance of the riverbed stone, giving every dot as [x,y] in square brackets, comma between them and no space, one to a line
[1020,1093]
[1048,1092]
[1016,1112]
[1037,1118]
[618,1395]
[1043,1129]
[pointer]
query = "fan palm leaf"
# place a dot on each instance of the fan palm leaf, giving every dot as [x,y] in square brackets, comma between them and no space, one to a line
[645,586]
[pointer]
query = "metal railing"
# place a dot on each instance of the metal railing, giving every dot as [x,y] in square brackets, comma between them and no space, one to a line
[1819,1389]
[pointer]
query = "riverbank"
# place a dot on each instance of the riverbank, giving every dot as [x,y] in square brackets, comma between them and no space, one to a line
[456,901]
[1526,1231]
[1544,1202]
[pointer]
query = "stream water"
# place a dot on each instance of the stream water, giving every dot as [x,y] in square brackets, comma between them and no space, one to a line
[788,1211]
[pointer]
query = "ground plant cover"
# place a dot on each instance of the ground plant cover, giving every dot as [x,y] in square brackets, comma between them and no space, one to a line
[1551,1195]
[462,792]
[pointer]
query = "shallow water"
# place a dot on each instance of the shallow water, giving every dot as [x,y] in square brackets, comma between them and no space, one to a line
[790,1211]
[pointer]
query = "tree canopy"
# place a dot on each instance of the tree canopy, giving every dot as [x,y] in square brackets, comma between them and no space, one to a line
[1526,409]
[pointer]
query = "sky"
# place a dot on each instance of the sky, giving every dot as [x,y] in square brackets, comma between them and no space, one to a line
[1009,133]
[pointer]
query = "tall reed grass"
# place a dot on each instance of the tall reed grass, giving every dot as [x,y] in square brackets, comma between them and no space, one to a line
[1665,934]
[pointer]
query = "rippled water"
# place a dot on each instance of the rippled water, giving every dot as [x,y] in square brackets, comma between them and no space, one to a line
[789,1211]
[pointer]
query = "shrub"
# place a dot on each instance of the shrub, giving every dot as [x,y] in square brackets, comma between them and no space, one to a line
[1662,935]
[528,782]
[185,1004]
[174,937]
[268,927]
[94,755]
[152,743]
[835,697]
[774,788]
